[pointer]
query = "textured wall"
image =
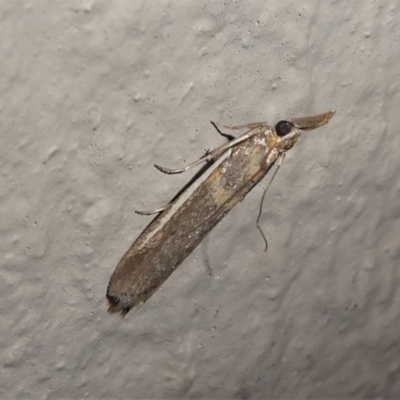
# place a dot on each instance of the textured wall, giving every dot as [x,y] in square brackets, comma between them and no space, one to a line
[93,93]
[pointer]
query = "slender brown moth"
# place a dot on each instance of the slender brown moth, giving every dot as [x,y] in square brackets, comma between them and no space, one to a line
[230,172]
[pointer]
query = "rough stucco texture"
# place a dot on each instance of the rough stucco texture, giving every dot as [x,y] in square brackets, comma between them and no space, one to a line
[93,93]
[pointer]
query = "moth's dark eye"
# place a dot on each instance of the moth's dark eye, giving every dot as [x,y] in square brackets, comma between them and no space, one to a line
[282,128]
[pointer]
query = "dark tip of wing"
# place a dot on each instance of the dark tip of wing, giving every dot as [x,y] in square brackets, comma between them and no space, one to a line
[115,305]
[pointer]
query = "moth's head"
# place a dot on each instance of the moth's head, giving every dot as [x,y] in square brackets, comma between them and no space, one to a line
[288,132]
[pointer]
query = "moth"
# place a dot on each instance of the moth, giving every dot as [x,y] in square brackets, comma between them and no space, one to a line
[228,174]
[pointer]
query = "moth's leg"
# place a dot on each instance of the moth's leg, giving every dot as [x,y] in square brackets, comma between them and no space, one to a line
[159,210]
[251,126]
[226,135]
[212,156]
[169,171]
[197,175]
[280,161]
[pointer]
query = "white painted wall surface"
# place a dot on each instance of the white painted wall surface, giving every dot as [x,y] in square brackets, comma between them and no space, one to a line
[93,93]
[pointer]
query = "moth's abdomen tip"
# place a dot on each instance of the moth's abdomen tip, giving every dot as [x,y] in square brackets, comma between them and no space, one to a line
[116,305]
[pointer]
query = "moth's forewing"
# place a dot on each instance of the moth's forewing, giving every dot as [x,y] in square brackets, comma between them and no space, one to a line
[172,236]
